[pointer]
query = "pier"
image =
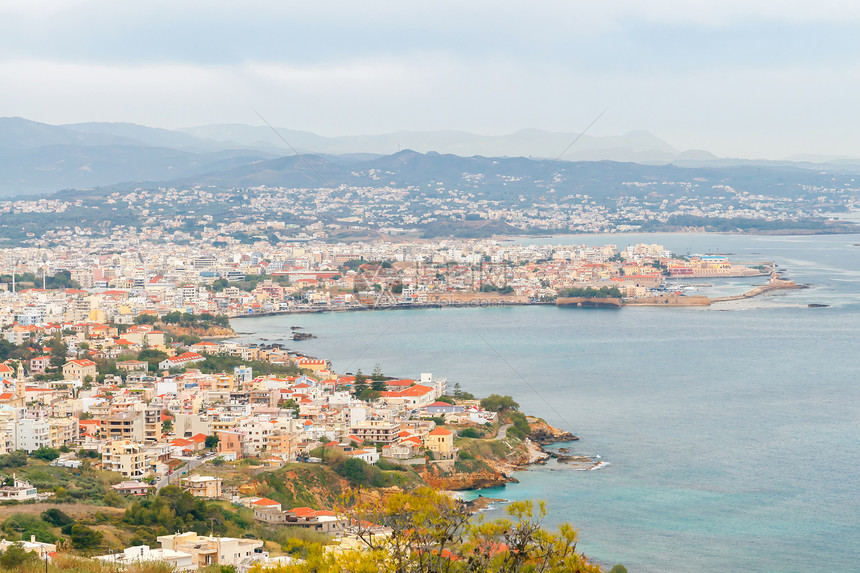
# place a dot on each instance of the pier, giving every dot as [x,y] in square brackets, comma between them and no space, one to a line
[775,283]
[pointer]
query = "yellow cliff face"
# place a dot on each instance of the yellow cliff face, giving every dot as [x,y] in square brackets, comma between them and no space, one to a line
[437,478]
[210,332]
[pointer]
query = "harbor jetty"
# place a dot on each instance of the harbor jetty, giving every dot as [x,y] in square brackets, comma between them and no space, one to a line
[666,300]
[775,283]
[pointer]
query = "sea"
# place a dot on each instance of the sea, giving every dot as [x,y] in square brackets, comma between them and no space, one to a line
[730,434]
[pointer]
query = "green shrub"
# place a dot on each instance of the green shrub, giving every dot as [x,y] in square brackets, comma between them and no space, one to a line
[56,517]
[388,465]
[471,433]
[47,454]
[15,556]
[85,538]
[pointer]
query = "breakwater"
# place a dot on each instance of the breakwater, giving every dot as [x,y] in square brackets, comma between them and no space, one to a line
[775,283]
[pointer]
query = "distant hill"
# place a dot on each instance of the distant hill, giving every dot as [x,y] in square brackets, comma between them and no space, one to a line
[41,158]
[634,146]
[507,179]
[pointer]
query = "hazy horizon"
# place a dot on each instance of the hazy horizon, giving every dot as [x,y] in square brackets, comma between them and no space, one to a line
[753,80]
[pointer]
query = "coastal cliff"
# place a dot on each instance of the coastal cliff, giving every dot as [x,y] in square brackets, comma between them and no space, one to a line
[199,331]
[436,476]
[543,434]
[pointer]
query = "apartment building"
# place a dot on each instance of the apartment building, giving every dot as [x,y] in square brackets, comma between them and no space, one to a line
[207,550]
[379,431]
[126,457]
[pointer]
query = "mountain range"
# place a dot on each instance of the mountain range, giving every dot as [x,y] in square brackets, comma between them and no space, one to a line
[41,158]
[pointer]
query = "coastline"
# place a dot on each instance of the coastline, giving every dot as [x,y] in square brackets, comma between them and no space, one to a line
[667,300]
[602,498]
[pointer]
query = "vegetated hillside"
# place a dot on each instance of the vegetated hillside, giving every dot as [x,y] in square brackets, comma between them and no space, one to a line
[49,168]
[470,229]
[39,158]
[509,178]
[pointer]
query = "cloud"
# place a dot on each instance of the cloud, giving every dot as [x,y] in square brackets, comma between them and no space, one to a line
[735,77]
[730,112]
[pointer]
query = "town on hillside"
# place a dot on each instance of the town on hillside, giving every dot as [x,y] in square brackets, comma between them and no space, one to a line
[147,419]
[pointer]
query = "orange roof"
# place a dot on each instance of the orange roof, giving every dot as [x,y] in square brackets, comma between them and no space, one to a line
[417,390]
[265,501]
[440,432]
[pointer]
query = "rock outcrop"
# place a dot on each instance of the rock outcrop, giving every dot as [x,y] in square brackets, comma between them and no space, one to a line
[437,478]
[544,434]
[202,332]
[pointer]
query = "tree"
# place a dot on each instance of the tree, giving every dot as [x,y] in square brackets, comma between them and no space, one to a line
[378,379]
[113,499]
[152,357]
[211,441]
[47,454]
[290,404]
[360,385]
[15,556]
[433,533]
[497,403]
[172,317]
[58,352]
[85,538]
[145,319]
[56,517]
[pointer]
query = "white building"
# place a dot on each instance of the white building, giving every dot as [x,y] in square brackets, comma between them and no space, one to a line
[18,491]
[32,434]
[213,550]
[178,560]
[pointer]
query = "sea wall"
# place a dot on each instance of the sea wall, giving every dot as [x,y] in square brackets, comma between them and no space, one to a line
[588,302]
[669,300]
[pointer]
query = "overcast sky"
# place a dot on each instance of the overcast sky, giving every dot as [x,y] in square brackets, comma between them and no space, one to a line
[743,78]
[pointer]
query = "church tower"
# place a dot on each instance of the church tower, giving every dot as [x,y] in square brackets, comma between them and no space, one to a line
[19,383]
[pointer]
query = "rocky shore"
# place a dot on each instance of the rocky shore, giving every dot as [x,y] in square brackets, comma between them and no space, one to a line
[543,434]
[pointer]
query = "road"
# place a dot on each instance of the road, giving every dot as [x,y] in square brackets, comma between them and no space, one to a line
[503,432]
[182,470]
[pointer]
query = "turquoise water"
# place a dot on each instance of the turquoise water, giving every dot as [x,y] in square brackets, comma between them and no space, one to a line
[732,433]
